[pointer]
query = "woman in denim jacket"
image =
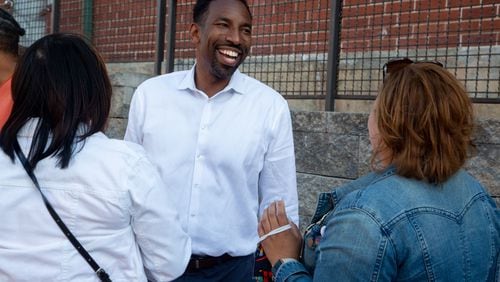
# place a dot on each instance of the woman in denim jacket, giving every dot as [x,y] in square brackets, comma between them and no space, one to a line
[418,216]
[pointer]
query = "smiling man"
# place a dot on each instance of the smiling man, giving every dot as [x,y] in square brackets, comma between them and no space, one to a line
[222,142]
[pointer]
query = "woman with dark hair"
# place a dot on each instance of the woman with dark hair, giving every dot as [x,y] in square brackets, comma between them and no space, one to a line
[106,191]
[419,216]
[10,31]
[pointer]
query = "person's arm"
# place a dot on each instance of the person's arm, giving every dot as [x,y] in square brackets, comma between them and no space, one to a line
[277,180]
[353,248]
[282,249]
[135,122]
[165,246]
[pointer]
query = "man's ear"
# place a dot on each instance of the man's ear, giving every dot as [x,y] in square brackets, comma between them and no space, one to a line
[194,30]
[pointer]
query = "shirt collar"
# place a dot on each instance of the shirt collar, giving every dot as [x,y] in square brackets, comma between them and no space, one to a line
[362,182]
[329,200]
[29,128]
[236,84]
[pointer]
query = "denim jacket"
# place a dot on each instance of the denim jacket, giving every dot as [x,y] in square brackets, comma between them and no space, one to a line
[384,227]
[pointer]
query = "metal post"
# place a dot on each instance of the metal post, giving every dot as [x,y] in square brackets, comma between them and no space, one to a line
[87,18]
[56,16]
[172,12]
[160,35]
[333,54]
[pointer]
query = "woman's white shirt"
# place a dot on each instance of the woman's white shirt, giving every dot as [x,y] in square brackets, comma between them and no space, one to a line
[111,198]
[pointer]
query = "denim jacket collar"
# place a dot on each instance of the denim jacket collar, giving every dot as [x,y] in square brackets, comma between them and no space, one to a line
[328,201]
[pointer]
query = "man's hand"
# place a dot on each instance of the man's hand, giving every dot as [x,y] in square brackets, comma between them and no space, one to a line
[285,244]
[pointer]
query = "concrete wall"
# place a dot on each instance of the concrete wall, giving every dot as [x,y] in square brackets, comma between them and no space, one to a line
[331,147]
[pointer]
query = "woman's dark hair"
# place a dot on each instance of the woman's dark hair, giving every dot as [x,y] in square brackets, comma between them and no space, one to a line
[10,31]
[62,81]
[201,8]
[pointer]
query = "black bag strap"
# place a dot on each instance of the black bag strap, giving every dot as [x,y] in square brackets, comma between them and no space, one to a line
[103,276]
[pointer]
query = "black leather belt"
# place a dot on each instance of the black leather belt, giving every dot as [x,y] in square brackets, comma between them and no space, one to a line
[197,263]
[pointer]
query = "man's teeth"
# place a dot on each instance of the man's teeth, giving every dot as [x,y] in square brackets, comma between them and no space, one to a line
[229,53]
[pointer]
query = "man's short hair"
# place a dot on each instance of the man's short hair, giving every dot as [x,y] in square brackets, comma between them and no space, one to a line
[201,8]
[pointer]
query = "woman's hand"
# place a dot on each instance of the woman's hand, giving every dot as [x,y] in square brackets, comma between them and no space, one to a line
[285,244]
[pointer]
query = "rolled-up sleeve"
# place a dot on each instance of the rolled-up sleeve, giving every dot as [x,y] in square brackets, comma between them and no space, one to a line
[277,179]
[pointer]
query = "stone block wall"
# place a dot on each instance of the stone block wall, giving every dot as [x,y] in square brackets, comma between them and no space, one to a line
[331,148]
[124,85]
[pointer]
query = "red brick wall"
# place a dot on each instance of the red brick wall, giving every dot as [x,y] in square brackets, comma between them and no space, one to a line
[71,16]
[124,30]
[384,25]
[280,27]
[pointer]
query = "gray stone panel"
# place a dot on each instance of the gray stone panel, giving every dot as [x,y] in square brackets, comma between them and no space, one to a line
[120,101]
[488,131]
[128,79]
[327,154]
[309,121]
[116,128]
[309,187]
[347,123]
[485,166]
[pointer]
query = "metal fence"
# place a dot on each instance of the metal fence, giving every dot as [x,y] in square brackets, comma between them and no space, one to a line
[305,49]
[463,35]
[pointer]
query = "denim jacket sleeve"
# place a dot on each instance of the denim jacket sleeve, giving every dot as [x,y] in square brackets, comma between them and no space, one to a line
[327,254]
[354,248]
[292,271]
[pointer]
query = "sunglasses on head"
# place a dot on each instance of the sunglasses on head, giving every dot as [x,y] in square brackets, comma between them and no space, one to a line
[395,65]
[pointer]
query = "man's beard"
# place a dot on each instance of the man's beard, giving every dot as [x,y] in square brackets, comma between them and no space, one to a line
[222,72]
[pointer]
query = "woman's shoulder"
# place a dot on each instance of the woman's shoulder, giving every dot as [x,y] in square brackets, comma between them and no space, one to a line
[120,153]
[393,196]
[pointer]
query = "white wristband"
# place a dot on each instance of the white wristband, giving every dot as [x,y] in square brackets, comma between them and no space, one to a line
[275,231]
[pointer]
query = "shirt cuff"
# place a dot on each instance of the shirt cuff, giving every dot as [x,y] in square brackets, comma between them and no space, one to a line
[287,267]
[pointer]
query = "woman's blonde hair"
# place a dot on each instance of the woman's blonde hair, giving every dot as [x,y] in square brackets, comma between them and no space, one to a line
[425,120]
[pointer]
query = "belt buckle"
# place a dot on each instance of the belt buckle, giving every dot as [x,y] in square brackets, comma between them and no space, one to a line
[197,264]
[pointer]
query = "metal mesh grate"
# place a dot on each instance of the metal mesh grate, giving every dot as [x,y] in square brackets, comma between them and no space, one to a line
[290,39]
[33,16]
[463,35]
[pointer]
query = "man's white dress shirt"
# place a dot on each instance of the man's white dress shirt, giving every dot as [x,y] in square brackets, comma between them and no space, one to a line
[110,197]
[223,159]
